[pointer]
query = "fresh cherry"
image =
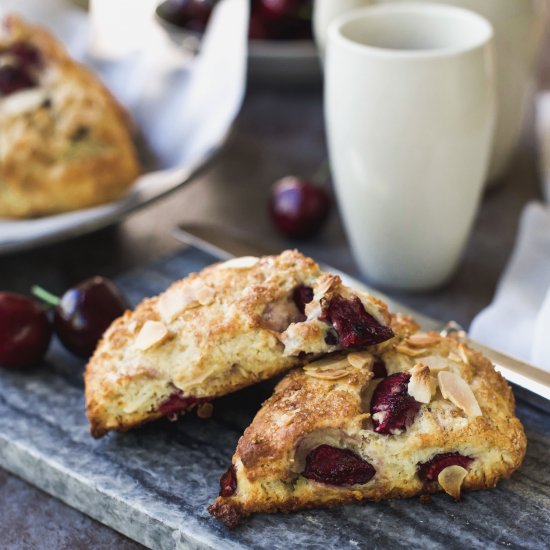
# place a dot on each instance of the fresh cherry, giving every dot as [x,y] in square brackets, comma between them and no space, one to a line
[334,466]
[25,332]
[228,482]
[355,327]
[429,471]
[392,408]
[84,313]
[277,9]
[298,208]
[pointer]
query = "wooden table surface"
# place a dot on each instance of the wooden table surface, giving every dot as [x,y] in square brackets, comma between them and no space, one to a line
[278,132]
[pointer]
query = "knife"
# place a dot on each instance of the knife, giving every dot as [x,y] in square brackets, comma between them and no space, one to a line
[532,383]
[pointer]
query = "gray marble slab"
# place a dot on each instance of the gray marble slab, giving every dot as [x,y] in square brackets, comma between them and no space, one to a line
[155,483]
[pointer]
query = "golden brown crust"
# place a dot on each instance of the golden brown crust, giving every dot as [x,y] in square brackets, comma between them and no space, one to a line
[306,411]
[71,146]
[207,335]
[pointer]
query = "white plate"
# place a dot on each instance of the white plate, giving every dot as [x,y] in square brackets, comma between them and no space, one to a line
[184,109]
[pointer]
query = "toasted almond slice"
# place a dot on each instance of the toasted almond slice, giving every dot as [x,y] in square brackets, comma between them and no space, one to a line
[406,350]
[133,326]
[151,334]
[175,301]
[328,375]
[463,353]
[451,478]
[456,390]
[328,363]
[244,262]
[325,284]
[435,362]
[422,340]
[205,295]
[420,385]
[360,360]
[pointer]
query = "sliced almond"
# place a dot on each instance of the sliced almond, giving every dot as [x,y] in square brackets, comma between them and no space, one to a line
[329,368]
[360,360]
[406,350]
[463,353]
[205,295]
[422,340]
[456,390]
[175,301]
[420,384]
[325,285]
[151,334]
[451,478]
[244,262]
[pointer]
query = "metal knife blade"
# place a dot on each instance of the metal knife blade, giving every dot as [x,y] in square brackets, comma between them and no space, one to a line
[226,244]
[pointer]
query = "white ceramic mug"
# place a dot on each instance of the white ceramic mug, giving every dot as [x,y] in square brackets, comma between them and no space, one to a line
[519,28]
[410,110]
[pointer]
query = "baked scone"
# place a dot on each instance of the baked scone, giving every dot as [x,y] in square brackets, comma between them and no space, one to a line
[419,414]
[228,327]
[65,142]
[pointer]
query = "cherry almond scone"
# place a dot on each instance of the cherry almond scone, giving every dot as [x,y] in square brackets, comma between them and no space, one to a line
[65,142]
[228,327]
[417,414]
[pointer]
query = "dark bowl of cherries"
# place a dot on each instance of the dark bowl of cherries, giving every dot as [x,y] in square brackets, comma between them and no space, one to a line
[280,35]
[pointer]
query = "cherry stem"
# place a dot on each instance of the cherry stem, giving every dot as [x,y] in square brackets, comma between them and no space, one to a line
[321,176]
[47,297]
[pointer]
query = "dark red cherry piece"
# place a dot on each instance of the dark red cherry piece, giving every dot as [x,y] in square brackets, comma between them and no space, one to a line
[277,9]
[14,78]
[429,471]
[25,332]
[177,403]
[355,327]
[302,295]
[228,482]
[298,208]
[85,312]
[392,408]
[334,466]
[26,54]
[379,368]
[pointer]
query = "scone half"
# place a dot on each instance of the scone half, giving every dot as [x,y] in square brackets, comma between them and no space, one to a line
[227,327]
[419,415]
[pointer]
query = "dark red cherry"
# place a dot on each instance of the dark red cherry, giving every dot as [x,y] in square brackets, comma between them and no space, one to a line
[392,408]
[298,208]
[379,368]
[277,9]
[25,331]
[26,54]
[302,295]
[429,471]
[355,327]
[14,78]
[177,403]
[327,464]
[85,312]
[228,482]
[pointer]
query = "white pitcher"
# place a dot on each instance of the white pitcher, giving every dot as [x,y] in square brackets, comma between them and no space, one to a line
[519,28]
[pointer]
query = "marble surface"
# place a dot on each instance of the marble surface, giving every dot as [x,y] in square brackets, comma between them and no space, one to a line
[155,483]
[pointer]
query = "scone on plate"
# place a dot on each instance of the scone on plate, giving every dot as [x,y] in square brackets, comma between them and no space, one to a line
[65,142]
[228,327]
[420,414]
